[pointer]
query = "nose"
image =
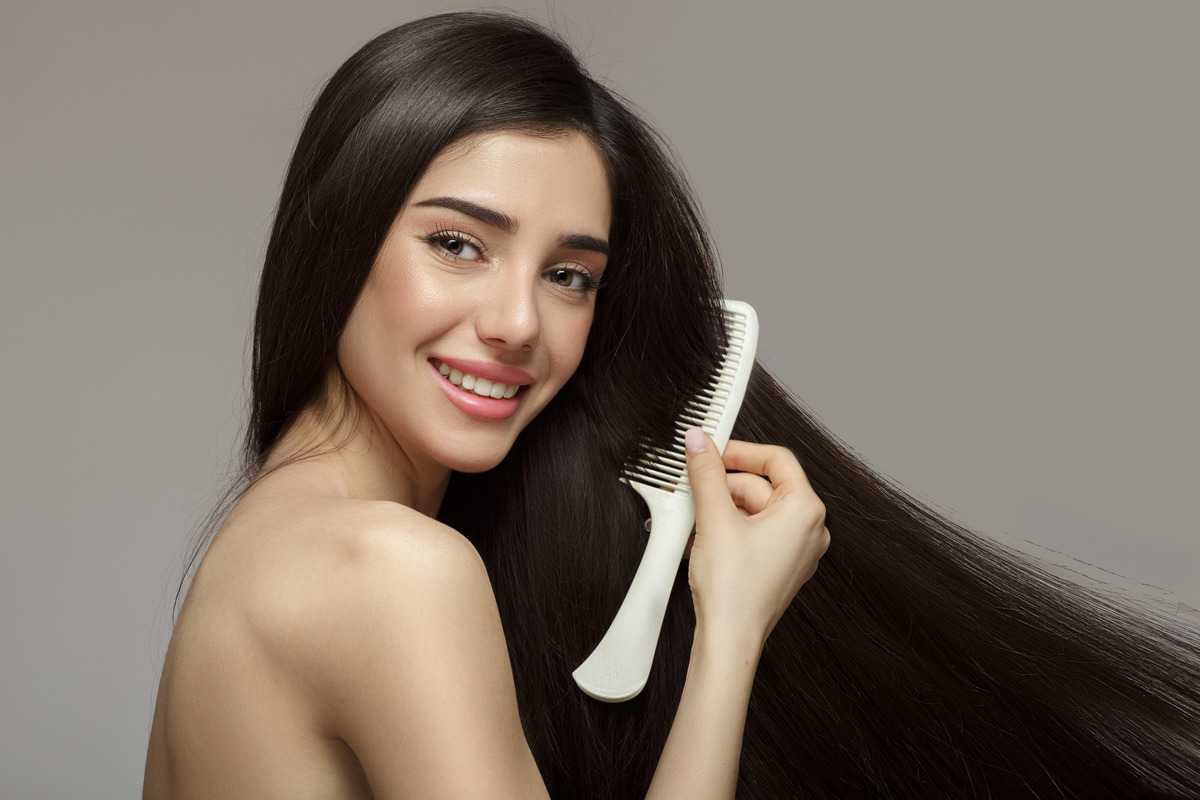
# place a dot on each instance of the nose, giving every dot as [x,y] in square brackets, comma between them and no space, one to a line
[507,318]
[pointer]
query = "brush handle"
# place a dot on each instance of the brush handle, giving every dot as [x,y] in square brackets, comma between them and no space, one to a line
[619,666]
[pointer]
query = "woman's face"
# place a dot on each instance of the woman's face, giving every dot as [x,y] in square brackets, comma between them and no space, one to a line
[478,306]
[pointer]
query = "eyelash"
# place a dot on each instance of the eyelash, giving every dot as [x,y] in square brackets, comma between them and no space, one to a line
[438,240]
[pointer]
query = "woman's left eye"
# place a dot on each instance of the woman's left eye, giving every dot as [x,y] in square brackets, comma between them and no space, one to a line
[572,279]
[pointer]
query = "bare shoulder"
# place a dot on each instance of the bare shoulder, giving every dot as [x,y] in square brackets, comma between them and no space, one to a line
[386,620]
[339,642]
[330,575]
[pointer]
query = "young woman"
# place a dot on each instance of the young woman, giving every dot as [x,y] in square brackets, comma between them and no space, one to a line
[486,289]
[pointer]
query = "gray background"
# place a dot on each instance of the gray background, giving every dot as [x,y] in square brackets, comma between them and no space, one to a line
[971,234]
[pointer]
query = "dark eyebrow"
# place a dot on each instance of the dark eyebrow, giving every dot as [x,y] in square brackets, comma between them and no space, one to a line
[582,241]
[484,215]
[572,241]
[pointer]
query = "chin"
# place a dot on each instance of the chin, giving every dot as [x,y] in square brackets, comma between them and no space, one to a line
[473,467]
[462,461]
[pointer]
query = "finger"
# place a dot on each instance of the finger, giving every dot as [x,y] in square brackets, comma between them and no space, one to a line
[706,472]
[778,464]
[749,492]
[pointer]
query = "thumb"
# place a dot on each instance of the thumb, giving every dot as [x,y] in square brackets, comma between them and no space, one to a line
[706,472]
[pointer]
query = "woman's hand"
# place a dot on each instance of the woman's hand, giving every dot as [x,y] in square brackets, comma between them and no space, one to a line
[760,531]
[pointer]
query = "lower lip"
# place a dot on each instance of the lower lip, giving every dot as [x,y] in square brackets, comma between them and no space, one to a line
[473,404]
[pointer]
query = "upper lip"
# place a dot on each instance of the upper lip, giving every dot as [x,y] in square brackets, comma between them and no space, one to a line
[496,373]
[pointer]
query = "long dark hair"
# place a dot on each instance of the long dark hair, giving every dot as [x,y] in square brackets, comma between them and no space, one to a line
[921,661]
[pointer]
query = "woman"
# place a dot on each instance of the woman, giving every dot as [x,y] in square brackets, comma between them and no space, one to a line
[339,641]
[461,187]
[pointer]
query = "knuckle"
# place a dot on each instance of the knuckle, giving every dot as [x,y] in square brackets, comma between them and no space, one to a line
[783,452]
[816,513]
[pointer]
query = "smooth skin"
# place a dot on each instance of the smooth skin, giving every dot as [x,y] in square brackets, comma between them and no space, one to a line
[337,641]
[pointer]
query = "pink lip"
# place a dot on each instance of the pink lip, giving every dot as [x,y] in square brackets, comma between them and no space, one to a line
[486,369]
[489,408]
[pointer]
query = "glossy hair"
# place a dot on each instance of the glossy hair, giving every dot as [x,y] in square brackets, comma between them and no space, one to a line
[921,660]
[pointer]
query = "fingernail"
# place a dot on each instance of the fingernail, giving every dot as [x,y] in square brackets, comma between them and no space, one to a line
[694,441]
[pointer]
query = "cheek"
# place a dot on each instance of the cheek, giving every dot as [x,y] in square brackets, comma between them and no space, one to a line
[572,342]
[405,294]
[355,346]
[407,306]
[378,331]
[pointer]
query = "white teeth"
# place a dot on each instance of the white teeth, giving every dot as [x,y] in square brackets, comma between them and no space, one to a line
[480,386]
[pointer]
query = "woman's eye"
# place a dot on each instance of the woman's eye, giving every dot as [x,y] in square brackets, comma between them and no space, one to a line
[572,279]
[456,246]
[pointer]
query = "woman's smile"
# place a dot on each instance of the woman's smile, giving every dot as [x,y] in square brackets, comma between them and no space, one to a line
[481,392]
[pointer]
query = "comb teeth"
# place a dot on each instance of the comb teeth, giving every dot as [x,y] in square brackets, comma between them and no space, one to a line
[666,469]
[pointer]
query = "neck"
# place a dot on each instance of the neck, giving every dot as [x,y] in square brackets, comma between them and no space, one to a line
[365,463]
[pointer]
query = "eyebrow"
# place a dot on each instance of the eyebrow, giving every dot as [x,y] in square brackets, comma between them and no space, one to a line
[485,215]
[581,241]
[496,219]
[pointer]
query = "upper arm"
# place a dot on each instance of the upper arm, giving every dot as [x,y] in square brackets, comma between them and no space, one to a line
[405,653]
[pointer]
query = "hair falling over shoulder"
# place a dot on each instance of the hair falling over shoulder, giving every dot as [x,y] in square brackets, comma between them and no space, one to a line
[921,661]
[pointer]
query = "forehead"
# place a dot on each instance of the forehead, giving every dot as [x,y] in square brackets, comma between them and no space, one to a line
[559,180]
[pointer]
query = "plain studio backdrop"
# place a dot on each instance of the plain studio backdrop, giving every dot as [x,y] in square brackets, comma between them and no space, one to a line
[971,235]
